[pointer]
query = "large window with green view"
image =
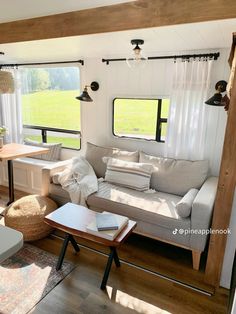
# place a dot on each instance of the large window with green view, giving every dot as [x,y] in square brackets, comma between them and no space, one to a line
[140,118]
[50,111]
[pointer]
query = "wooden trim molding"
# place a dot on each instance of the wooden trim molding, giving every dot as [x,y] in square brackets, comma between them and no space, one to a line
[196,257]
[119,17]
[224,197]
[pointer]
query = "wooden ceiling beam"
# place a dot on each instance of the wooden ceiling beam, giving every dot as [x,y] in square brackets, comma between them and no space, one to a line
[132,15]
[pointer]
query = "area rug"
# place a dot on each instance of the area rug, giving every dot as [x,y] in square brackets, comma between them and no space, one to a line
[26,277]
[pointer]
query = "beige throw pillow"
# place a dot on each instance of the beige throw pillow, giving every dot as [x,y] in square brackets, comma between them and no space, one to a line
[176,176]
[184,206]
[132,175]
[94,155]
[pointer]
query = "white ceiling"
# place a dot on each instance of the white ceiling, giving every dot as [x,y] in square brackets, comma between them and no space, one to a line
[196,36]
[12,10]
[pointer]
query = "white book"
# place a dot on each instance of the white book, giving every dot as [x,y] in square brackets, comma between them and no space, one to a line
[108,234]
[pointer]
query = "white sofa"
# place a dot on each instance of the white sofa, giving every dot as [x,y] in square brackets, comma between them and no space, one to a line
[155,213]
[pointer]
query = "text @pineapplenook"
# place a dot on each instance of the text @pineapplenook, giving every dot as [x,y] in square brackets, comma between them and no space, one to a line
[201,231]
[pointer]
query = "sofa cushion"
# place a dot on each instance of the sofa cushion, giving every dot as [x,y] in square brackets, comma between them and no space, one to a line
[56,189]
[155,208]
[133,175]
[52,155]
[94,155]
[184,206]
[176,176]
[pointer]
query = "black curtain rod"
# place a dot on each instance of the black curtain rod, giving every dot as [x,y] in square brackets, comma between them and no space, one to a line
[215,56]
[40,63]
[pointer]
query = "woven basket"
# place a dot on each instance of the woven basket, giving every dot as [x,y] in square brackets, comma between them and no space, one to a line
[7,85]
[26,215]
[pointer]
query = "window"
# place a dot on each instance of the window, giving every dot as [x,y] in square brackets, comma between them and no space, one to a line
[50,111]
[140,118]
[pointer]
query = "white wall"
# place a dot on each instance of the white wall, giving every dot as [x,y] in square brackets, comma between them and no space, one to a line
[154,80]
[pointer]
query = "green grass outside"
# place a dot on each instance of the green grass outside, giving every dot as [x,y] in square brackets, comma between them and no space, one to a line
[138,117]
[57,109]
[60,109]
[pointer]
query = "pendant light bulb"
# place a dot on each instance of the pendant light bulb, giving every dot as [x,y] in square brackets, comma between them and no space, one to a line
[137,59]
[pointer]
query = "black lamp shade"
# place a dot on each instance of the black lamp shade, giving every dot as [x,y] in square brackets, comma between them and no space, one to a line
[84,96]
[215,100]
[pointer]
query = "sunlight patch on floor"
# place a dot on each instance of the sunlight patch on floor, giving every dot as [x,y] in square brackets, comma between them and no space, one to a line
[133,303]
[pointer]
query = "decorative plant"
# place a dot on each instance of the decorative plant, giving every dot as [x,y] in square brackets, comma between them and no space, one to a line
[3,130]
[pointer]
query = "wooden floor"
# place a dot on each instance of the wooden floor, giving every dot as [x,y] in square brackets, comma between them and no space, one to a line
[129,290]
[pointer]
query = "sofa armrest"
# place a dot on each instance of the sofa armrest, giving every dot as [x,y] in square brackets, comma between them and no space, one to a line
[201,215]
[49,171]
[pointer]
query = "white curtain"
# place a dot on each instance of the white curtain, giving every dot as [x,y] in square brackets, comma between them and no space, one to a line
[187,115]
[10,111]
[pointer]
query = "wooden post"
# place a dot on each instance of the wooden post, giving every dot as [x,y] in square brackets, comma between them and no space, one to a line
[224,197]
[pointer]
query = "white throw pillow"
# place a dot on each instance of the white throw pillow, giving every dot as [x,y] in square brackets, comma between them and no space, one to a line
[133,175]
[184,206]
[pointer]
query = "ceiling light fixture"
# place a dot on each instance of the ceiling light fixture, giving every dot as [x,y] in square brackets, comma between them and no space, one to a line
[217,99]
[137,58]
[85,95]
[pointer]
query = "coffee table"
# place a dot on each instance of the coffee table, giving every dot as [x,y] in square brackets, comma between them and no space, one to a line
[73,219]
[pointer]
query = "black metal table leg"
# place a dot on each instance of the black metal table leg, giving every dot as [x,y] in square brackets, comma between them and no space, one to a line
[10,181]
[74,243]
[68,238]
[63,252]
[113,255]
[116,258]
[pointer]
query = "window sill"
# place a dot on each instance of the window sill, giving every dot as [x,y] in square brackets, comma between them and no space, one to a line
[137,139]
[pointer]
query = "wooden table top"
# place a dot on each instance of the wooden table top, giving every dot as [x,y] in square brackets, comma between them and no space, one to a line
[13,151]
[73,219]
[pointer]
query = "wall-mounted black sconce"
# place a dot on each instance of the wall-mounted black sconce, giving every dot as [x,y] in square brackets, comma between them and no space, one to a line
[216,100]
[85,95]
